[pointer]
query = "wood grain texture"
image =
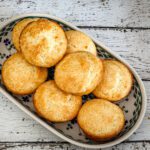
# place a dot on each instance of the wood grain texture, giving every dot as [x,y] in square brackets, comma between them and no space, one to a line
[66,146]
[16,126]
[125,13]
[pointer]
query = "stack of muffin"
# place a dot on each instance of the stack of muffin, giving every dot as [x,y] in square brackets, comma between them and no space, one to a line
[41,44]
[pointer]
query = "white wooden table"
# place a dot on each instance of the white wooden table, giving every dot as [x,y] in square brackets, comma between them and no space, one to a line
[123,25]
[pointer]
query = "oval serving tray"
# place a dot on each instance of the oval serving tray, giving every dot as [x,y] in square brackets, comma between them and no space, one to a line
[134,105]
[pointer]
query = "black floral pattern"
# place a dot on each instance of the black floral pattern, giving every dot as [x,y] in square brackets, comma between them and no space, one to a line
[7,42]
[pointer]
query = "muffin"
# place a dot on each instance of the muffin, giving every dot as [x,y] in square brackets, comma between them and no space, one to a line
[78,41]
[18,28]
[54,105]
[43,43]
[116,83]
[78,73]
[20,77]
[100,119]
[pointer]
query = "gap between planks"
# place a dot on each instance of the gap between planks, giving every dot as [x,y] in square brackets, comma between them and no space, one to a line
[67,146]
[61,142]
[97,27]
[114,27]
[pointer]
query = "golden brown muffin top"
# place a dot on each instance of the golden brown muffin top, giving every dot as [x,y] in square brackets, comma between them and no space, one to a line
[43,43]
[116,83]
[100,119]
[55,105]
[78,41]
[20,77]
[78,73]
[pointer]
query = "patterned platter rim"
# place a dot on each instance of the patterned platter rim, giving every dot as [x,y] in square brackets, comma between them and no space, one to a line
[44,124]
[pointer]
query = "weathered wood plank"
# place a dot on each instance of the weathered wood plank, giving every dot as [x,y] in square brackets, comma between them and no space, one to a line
[133,45]
[135,13]
[66,146]
[16,126]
